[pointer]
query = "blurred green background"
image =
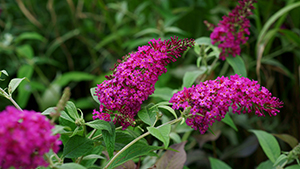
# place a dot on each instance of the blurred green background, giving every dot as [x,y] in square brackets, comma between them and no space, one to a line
[75,42]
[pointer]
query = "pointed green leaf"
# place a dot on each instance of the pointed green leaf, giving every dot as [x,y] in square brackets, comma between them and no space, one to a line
[77,146]
[268,143]
[29,35]
[164,93]
[295,166]
[162,133]
[227,119]
[4,72]
[217,164]
[25,51]
[266,165]
[148,116]
[93,92]
[190,77]
[72,110]
[203,41]
[48,111]
[65,116]
[13,84]
[74,76]
[280,159]
[169,109]
[70,165]
[238,65]
[109,140]
[100,125]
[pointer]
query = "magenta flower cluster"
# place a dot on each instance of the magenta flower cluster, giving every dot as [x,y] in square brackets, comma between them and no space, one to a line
[25,136]
[230,32]
[210,100]
[134,78]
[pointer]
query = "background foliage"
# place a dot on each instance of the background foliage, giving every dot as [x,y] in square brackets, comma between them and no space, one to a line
[74,43]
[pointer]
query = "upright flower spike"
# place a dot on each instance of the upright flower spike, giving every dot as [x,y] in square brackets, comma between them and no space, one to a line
[134,77]
[210,100]
[25,136]
[230,32]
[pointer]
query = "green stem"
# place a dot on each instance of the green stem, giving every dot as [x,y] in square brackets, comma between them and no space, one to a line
[137,139]
[10,98]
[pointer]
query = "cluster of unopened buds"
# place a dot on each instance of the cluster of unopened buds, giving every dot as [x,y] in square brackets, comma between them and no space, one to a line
[210,100]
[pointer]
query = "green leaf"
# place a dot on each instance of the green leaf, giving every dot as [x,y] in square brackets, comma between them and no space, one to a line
[24,89]
[48,111]
[190,77]
[13,84]
[65,116]
[92,156]
[203,41]
[70,165]
[4,72]
[280,159]
[274,62]
[169,109]
[56,43]
[25,51]
[294,37]
[217,164]
[90,159]
[74,76]
[268,143]
[29,36]
[147,115]
[237,64]
[100,125]
[164,93]
[93,92]
[173,159]
[199,61]
[162,133]
[273,18]
[136,150]
[72,110]
[197,50]
[266,165]
[109,140]
[292,141]
[77,146]
[295,166]
[227,119]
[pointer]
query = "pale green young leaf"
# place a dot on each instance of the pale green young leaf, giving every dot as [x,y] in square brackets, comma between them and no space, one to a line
[13,84]
[93,92]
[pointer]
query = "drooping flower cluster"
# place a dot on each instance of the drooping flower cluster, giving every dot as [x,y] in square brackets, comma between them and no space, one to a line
[134,78]
[210,100]
[25,136]
[230,32]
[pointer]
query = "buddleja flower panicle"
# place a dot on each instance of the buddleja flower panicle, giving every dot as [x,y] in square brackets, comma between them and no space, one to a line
[232,30]
[210,100]
[25,136]
[133,79]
